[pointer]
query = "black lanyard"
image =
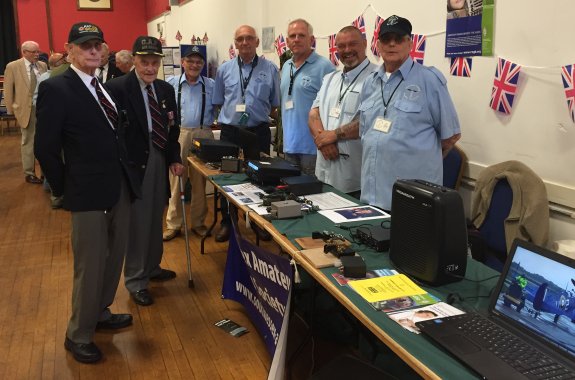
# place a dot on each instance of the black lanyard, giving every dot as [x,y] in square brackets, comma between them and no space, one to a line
[341,96]
[203,99]
[245,82]
[292,75]
[393,93]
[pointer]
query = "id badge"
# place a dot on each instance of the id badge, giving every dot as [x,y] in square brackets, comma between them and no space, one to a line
[240,108]
[382,125]
[289,105]
[335,112]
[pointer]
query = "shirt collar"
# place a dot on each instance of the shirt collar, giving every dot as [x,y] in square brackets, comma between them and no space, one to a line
[356,70]
[142,83]
[404,69]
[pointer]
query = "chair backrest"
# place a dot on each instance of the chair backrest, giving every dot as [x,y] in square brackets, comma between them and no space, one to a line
[453,166]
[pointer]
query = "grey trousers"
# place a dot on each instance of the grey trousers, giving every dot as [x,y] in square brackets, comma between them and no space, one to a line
[27,144]
[99,242]
[145,246]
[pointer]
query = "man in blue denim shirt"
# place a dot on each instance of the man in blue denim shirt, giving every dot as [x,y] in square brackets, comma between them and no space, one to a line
[407,119]
[247,92]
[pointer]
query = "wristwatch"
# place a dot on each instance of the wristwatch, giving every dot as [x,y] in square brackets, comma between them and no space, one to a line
[339,134]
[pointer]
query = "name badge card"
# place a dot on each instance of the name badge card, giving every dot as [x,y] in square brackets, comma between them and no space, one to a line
[240,108]
[289,105]
[382,125]
[335,112]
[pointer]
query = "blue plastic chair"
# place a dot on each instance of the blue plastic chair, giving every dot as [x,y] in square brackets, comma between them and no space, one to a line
[453,166]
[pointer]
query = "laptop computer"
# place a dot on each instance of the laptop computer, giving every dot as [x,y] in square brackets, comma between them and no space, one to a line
[532,308]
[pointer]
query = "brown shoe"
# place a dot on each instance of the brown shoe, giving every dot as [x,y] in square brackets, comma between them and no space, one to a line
[33,179]
[170,234]
[223,234]
[201,231]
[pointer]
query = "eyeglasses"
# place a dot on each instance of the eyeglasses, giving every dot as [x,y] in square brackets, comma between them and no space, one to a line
[388,37]
[241,39]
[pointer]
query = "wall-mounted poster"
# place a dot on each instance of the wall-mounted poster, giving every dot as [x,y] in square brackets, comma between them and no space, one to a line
[268,39]
[469,29]
[95,5]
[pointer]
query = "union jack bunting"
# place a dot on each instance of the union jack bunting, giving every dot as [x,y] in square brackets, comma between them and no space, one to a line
[333,55]
[280,45]
[504,86]
[461,66]
[205,39]
[418,48]
[567,75]
[378,22]
[178,36]
[232,51]
[359,23]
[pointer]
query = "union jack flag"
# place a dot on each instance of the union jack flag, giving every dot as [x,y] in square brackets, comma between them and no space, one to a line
[280,45]
[205,39]
[232,51]
[461,66]
[567,75]
[178,36]
[418,48]
[504,86]
[378,22]
[333,55]
[359,23]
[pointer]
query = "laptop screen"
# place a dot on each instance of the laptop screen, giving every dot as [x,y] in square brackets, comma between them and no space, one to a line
[536,292]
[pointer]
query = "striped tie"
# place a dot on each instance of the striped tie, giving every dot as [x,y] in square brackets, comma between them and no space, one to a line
[105,103]
[159,135]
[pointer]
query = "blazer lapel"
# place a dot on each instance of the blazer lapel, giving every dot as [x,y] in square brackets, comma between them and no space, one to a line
[137,101]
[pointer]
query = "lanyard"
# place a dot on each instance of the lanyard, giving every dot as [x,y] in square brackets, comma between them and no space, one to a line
[292,75]
[341,96]
[203,99]
[246,81]
[393,93]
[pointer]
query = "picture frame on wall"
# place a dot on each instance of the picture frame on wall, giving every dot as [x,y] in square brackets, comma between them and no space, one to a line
[268,39]
[95,5]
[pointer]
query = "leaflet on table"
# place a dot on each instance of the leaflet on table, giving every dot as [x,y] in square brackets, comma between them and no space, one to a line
[407,319]
[386,288]
[329,200]
[393,305]
[354,214]
[245,193]
[260,209]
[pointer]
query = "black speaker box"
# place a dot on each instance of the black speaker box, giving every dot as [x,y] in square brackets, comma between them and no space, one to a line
[428,232]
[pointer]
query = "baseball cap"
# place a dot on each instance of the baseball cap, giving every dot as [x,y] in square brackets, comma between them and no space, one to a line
[85,31]
[194,50]
[395,24]
[146,45]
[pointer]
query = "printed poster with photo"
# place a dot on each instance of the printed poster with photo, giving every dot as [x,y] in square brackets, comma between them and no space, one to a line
[469,28]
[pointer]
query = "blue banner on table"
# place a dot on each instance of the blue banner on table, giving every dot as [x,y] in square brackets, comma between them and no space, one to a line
[261,282]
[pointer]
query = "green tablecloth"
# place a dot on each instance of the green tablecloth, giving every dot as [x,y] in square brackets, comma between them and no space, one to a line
[474,291]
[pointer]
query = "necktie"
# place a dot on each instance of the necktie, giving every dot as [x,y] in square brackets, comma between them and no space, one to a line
[33,79]
[101,74]
[159,135]
[109,109]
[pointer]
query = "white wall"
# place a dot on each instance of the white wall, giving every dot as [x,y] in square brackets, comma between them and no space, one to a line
[539,132]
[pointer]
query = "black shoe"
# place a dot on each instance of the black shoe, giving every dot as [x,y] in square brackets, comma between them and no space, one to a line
[116,321]
[223,234]
[57,203]
[83,352]
[142,297]
[33,179]
[164,275]
[262,234]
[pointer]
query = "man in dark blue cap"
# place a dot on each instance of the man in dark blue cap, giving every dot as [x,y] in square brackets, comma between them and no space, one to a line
[78,117]
[407,119]
[153,146]
[194,100]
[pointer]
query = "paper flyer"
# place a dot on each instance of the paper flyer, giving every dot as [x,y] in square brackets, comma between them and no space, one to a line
[407,319]
[386,288]
[354,214]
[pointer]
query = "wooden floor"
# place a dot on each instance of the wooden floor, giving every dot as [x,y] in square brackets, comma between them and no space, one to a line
[173,339]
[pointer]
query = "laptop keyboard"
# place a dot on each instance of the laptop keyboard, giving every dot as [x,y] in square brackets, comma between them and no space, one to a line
[514,351]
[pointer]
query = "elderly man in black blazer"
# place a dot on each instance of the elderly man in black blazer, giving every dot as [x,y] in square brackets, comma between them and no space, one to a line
[97,179]
[152,140]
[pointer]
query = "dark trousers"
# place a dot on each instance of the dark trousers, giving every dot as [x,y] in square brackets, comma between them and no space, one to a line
[231,134]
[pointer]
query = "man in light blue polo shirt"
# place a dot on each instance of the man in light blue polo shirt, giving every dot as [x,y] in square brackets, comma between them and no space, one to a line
[334,115]
[300,81]
[247,92]
[194,100]
[407,118]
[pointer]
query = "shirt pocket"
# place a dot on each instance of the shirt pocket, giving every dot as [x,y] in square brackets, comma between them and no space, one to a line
[366,105]
[351,103]
[408,106]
